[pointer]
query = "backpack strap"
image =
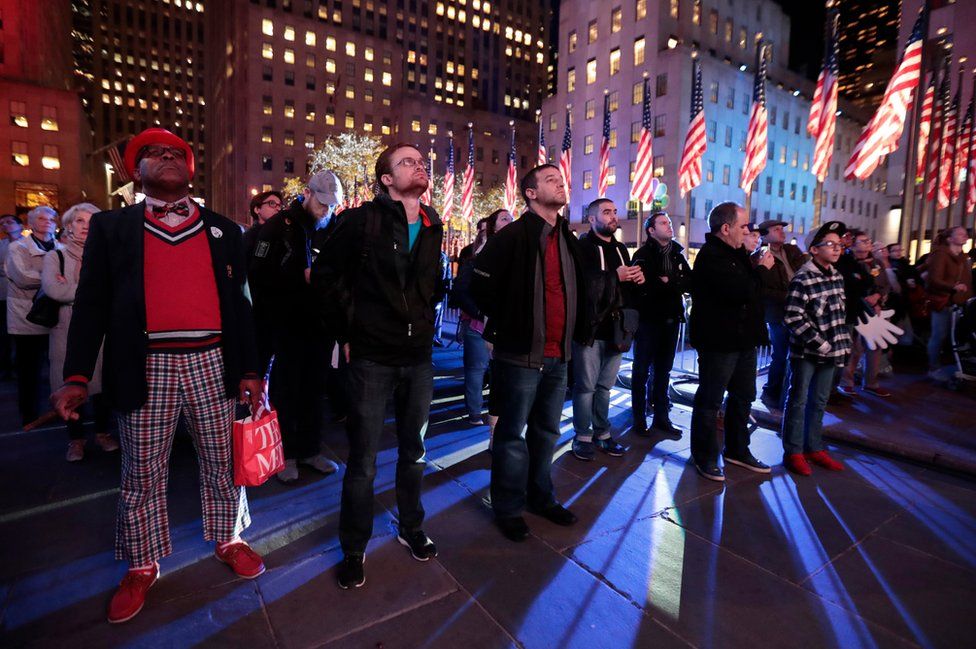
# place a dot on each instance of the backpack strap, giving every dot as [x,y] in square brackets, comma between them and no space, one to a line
[60,260]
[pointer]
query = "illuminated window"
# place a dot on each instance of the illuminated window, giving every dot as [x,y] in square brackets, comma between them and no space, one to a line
[350,49]
[310,60]
[640,10]
[573,39]
[18,114]
[713,92]
[289,56]
[591,71]
[289,33]
[309,141]
[613,138]
[659,125]
[309,113]
[709,172]
[368,75]
[635,131]
[329,116]
[742,38]
[588,145]
[350,119]
[310,39]
[616,20]
[592,33]
[267,109]
[639,51]
[330,43]
[18,152]
[673,11]
[330,66]
[614,61]
[658,166]
[587,180]
[415,125]
[728,30]
[267,51]
[571,80]
[290,108]
[589,109]
[713,21]
[266,135]
[350,92]
[726,174]
[387,79]
[368,53]
[637,93]
[267,27]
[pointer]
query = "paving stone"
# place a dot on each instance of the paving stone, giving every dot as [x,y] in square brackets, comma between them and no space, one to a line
[713,598]
[447,623]
[918,596]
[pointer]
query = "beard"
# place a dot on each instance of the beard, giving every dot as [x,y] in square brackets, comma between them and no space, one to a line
[605,230]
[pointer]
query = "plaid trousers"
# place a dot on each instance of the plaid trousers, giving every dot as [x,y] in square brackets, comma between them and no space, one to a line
[192,384]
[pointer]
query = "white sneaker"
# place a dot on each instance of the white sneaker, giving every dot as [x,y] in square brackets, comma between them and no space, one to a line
[289,473]
[76,450]
[321,464]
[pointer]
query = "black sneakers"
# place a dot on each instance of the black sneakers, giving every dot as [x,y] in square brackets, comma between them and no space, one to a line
[420,545]
[609,446]
[710,471]
[512,528]
[351,573]
[555,513]
[747,461]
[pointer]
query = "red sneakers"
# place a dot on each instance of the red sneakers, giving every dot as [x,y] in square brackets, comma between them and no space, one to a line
[796,463]
[245,562]
[822,458]
[129,599]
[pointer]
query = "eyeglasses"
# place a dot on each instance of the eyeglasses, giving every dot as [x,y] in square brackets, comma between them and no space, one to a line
[158,151]
[273,204]
[410,163]
[833,245]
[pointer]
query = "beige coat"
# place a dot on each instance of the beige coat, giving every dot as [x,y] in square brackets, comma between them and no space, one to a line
[23,267]
[63,290]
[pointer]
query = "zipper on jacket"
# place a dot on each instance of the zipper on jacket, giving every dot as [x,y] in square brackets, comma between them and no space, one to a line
[409,329]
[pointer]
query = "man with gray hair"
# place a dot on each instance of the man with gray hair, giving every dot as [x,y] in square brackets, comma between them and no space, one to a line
[23,265]
[289,330]
[726,328]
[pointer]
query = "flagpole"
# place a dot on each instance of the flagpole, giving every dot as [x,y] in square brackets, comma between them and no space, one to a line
[640,221]
[829,31]
[964,190]
[924,225]
[909,187]
[683,239]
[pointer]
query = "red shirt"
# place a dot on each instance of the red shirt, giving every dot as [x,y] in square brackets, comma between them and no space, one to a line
[555,296]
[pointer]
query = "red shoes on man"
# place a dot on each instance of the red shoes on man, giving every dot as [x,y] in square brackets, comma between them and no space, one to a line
[130,597]
[799,462]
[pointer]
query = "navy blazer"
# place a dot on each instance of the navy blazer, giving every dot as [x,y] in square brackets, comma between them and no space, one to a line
[110,305]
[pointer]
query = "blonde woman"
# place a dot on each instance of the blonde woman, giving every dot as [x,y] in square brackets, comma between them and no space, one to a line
[59,279]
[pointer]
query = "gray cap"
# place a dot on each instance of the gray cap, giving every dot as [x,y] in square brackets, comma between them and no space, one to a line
[326,187]
[816,236]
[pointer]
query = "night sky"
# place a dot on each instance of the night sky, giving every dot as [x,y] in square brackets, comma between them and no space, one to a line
[806,34]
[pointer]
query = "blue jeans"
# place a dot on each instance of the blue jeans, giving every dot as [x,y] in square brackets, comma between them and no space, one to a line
[475,365]
[718,372]
[595,370]
[654,345]
[370,385]
[941,322]
[806,398]
[530,404]
[779,338]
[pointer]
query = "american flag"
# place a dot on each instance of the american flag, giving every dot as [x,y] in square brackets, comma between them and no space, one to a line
[542,158]
[823,112]
[935,139]
[880,136]
[448,210]
[644,167]
[511,184]
[962,150]
[603,182]
[115,158]
[924,128]
[755,160]
[566,155]
[971,173]
[947,173]
[689,170]
[426,197]
[467,181]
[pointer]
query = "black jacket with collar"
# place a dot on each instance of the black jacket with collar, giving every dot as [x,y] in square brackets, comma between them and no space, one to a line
[372,290]
[726,308]
[504,284]
[605,294]
[776,281]
[659,301]
[110,305]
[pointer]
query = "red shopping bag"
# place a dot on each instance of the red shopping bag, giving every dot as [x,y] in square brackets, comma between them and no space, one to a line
[257,448]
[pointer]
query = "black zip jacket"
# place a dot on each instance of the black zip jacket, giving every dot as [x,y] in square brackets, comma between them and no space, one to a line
[504,284]
[726,309]
[659,301]
[605,294]
[372,290]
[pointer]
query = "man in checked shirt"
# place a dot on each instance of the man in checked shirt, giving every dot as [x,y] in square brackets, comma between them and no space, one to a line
[820,344]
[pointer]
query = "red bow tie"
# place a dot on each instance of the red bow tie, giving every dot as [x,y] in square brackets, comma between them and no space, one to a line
[180,209]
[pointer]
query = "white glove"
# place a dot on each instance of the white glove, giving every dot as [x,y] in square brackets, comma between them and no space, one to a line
[824,348]
[877,331]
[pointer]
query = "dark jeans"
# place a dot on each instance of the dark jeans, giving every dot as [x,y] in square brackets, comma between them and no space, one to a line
[370,385]
[99,410]
[31,356]
[654,345]
[6,357]
[530,404]
[295,388]
[779,338]
[475,366]
[806,399]
[718,372]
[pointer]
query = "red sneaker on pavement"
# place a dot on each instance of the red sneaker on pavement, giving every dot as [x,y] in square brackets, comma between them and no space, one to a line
[245,562]
[878,392]
[822,458]
[129,599]
[796,463]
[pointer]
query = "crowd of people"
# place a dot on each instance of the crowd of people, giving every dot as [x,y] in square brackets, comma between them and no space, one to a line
[167,310]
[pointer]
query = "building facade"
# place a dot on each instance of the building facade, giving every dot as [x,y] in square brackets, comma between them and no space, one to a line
[140,64]
[869,49]
[40,135]
[612,50]
[283,76]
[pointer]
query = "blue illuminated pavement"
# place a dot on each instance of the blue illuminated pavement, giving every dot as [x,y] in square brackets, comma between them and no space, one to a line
[880,555]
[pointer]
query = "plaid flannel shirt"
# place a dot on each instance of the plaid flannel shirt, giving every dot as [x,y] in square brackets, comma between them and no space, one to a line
[816,313]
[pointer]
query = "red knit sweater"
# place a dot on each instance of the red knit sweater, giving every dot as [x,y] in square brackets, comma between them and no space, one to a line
[182,307]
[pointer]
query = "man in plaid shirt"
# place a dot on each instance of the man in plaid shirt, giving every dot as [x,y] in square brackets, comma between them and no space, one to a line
[820,343]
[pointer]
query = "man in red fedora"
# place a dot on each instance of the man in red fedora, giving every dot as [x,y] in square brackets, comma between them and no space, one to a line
[162,285]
